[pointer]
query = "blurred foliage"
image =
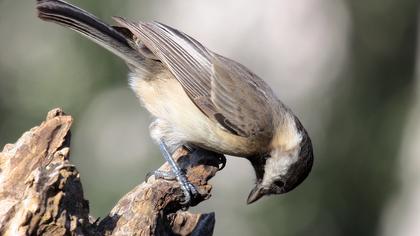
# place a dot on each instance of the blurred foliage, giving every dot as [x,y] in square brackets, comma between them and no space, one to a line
[356,154]
[356,170]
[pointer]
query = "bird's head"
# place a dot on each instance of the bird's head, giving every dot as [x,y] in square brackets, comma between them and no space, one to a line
[287,164]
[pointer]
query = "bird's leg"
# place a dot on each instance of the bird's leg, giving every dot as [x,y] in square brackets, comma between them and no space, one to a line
[188,188]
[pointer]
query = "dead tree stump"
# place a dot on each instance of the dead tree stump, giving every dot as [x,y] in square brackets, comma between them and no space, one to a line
[41,192]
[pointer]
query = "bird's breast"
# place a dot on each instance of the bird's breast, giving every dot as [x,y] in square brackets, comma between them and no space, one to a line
[163,96]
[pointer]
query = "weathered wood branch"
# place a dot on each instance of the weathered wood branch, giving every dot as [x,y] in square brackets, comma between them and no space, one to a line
[41,192]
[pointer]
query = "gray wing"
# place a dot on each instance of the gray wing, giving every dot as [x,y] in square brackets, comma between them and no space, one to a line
[224,90]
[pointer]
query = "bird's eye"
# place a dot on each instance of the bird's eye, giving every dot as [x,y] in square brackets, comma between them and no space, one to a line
[279,183]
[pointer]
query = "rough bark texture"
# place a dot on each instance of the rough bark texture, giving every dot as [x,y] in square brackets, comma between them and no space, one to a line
[41,192]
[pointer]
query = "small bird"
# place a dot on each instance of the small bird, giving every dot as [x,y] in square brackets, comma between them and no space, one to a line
[200,99]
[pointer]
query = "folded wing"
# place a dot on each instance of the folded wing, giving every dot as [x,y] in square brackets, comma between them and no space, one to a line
[224,90]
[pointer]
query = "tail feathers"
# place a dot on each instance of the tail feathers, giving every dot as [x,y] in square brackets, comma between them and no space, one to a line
[90,26]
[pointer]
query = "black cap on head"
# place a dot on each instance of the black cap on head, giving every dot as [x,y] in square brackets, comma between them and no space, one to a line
[299,170]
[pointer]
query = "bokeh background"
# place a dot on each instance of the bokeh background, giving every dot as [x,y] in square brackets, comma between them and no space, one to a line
[348,68]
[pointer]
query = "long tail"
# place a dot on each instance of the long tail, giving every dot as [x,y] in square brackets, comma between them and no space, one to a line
[90,26]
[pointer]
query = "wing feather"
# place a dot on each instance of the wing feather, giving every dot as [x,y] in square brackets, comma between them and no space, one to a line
[223,89]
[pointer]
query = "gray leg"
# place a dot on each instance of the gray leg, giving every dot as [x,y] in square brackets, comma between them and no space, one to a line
[188,189]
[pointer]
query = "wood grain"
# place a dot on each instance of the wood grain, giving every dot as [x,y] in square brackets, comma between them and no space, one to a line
[41,192]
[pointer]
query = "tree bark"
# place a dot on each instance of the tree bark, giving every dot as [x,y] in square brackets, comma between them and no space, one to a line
[41,192]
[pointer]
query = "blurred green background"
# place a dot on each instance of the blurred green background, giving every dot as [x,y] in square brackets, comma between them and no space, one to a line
[348,68]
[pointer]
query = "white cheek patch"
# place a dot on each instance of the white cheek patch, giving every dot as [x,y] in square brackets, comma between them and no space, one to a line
[287,136]
[278,165]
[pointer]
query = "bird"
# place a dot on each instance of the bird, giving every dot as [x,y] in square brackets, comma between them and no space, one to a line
[200,99]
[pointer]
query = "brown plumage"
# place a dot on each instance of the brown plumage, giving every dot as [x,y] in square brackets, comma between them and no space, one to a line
[201,98]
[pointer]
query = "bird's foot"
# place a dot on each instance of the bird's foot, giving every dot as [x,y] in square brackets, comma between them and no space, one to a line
[160,174]
[222,158]
[189,191]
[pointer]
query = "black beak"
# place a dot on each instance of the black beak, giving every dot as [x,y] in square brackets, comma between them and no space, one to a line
[256,193]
